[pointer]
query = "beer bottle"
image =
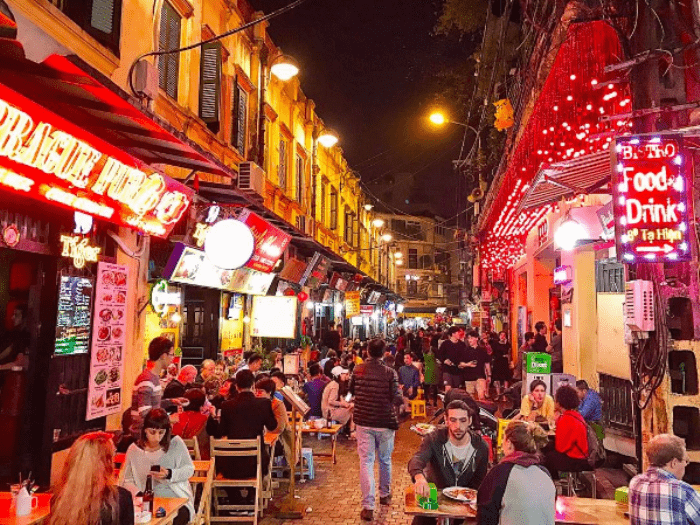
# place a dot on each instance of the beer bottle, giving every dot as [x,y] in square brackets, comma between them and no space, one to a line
[329,423]
[148,495]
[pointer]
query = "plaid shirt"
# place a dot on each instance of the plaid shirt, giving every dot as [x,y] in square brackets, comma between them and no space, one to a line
[657,497]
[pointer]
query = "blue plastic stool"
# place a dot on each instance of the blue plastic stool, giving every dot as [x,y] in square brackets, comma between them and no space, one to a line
[308,457]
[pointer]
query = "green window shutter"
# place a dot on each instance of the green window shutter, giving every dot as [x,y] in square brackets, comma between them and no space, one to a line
[210,85]
[240,117]
[169,38]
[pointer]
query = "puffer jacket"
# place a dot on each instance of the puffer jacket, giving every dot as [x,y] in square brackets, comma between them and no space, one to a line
[376,390]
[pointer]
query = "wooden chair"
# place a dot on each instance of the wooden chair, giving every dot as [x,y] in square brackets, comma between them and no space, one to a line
[193,448]
[227,448]
[203,511]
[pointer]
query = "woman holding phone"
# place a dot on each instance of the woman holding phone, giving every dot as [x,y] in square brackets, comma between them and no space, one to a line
[164,457]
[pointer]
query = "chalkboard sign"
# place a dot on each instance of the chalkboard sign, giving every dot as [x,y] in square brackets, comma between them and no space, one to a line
[74,315]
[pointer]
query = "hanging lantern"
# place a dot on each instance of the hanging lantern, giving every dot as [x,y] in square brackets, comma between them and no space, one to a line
[289,292]
[504,114]
[302,296]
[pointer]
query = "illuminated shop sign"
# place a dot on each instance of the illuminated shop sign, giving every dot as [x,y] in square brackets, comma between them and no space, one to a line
[50,159]
[79,249]
[562,275]
[651,194]
[162,298]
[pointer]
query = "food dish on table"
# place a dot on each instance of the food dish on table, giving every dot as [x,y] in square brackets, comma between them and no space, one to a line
[462,494]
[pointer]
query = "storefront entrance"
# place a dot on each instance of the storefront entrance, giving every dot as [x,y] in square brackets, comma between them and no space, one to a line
[200,324]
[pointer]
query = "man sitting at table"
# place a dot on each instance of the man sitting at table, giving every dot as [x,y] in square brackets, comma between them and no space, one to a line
[658,496]
[450,456]
[591,407]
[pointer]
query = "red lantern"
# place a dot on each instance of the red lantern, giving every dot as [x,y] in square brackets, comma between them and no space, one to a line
[289,292]
[359,277]
[302,296]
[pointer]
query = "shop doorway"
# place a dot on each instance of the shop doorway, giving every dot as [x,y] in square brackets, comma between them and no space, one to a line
[200,329]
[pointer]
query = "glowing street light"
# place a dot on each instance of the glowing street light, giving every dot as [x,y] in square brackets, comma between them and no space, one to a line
[378,223]
[284,67]
[398,255]
[387,237]
[569,233]
[328,138]
[437,118]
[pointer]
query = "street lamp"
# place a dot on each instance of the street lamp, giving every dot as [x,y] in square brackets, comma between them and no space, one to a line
[378,223]
[387,237]
[328,138]
[284,67]
[439,118]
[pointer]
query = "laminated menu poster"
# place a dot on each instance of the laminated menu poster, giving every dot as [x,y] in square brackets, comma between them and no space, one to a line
[74,317]
[108,337]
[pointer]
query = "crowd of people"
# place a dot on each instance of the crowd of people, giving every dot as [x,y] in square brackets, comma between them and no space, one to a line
[366,388]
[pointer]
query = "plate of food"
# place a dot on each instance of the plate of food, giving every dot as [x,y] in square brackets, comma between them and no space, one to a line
[462,494]
[422,429]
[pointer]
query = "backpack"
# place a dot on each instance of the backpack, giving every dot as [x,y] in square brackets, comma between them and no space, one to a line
[596,451]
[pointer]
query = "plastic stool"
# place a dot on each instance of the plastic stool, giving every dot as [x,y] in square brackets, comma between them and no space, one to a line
[417,408]
[308,457]
[571,478]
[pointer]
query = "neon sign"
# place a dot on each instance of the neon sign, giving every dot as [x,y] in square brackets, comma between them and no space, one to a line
[162,299]
[651,199]
[79,249]
[42,156]
[562,275]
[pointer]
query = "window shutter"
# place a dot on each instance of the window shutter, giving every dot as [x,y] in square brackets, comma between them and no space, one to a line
[210,84]
[282,168]
[240,116]
[102,16]
[169,38]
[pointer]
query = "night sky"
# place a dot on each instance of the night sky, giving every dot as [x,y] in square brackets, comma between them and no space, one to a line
[373,67]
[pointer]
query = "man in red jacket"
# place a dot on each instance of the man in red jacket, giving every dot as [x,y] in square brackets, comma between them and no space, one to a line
[571,440]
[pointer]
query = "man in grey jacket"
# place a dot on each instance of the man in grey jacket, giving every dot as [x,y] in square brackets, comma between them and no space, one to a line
[451,456]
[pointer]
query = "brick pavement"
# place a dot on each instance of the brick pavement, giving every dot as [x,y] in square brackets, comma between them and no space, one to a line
[334,495]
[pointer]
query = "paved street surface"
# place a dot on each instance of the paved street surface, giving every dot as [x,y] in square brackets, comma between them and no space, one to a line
[334,496]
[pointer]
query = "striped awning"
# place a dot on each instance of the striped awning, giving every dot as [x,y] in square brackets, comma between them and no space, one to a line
[579,176]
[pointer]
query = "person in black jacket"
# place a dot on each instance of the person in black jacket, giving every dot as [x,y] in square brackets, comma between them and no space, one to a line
[449,456]
[376,390]
[243,417]
[519,489]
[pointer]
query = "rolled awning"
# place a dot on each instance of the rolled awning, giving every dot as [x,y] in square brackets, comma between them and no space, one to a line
[579,176]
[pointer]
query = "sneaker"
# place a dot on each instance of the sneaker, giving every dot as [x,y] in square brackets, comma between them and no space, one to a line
[385,500]
[367,514]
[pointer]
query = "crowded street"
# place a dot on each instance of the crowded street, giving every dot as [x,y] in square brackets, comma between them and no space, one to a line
[426,262]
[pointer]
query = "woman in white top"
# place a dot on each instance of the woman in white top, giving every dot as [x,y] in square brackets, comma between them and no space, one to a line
[333,399]
[158,448]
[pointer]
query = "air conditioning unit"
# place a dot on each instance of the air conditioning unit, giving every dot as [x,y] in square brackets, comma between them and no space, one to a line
[639,305]
[251,178]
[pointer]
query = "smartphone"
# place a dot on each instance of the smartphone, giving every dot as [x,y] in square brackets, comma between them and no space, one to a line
[348,397]
[155,468]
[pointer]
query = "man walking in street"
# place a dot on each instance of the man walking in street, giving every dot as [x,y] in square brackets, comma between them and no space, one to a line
[476,367]
[376,390]
[409,381]
[452,352]
[658,496]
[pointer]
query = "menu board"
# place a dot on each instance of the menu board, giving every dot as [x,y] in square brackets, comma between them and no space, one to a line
[108,336]
[74,315]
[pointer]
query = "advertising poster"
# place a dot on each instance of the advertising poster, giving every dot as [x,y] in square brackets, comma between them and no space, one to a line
[274,317]
[108,337]
[352,304]
[270,242]
[74,317]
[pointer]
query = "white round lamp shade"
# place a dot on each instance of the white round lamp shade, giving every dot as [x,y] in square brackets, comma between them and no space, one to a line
[229,244]
[568,234]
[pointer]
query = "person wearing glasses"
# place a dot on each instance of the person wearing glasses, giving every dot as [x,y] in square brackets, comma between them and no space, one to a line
[659,495]
[148,392]
[164,457]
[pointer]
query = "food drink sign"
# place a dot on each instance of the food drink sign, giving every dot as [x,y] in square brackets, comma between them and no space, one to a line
[108,337]
[651,195]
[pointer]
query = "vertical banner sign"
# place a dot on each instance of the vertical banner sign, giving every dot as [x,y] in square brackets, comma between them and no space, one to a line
[108,337]
[652,199]
[352,304]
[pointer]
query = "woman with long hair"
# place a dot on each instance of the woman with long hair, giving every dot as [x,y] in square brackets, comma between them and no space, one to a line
[164,457]
[86,492]
[519,489]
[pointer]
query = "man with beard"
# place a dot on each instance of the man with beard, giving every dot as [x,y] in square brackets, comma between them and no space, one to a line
[449,456]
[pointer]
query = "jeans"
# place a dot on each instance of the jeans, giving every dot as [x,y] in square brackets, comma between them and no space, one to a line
[369,441]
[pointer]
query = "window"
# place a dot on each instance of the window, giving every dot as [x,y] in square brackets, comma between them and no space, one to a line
[99,18]
[282,165]
[239,118]
[412,258]
[349,227]
[299,179]
[334,209]
[440,229]
[322,211]
[210,85]
[169,38]
[412,287]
